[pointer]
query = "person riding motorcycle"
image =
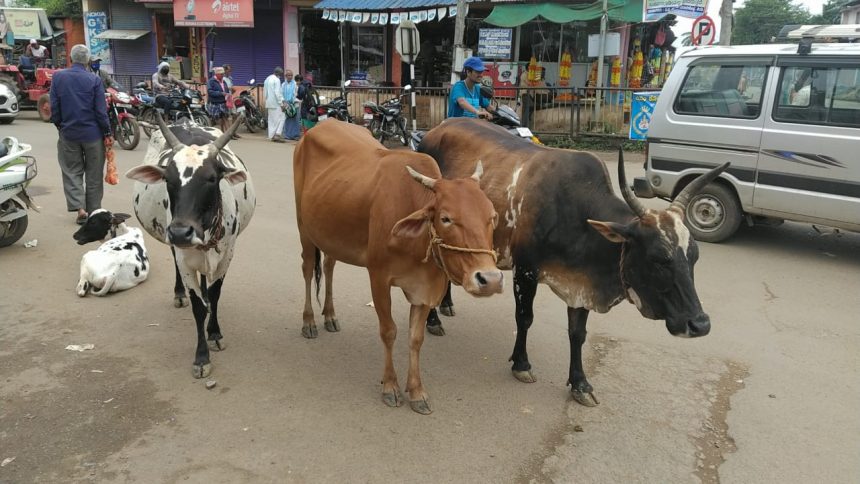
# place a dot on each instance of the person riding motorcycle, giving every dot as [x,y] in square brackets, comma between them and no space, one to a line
[107,80]
[163,82]
[465,99]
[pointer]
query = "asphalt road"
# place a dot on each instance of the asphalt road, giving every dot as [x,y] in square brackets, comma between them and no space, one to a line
[771,395]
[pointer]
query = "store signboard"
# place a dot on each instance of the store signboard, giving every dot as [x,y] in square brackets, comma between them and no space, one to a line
[23,22]
[495,43]
[656,9]
[640,113]
[96,23]
[220,13]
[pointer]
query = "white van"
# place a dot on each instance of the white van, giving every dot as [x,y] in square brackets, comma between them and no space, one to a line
[787,117]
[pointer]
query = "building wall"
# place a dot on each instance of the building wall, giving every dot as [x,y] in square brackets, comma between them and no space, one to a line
[851,15]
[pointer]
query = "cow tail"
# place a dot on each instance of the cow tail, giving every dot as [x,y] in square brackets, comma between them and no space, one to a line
[317,272]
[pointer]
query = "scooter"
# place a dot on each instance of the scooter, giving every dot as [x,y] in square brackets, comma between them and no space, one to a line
[503,116]
[17,168]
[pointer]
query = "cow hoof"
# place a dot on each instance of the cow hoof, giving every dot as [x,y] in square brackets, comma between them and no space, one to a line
[436,330]
[310,332]
[217,344]
[392,399]
[201,371]
[447,310]
[180,301]
[421,406]
[583,398]
[524,376]
[332,326]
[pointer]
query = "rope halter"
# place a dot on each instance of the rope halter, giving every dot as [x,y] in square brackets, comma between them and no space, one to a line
[438,243]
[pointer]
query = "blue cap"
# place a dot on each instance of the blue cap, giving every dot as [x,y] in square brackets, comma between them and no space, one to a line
[474,63]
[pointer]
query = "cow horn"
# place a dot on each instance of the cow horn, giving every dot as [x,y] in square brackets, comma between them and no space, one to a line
[695,186]
[169,137]
[225,138]
[479,171]
[424,180]
[626,192]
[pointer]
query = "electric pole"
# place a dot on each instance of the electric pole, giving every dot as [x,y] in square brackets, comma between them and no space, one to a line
[459,33]
[726,19]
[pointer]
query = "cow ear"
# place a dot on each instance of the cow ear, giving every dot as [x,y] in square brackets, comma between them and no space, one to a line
[413,225]
[119,218]
[613,232]
[146,174]
[235,177]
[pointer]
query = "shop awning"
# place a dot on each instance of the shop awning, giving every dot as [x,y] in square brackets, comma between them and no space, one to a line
[515,15]
[366,5]
[120,34]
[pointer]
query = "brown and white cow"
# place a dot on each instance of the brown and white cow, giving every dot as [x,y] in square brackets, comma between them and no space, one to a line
[391,212]
[563,226]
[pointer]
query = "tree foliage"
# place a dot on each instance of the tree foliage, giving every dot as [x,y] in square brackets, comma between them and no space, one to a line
[758,21]
[831,13]
[58,8]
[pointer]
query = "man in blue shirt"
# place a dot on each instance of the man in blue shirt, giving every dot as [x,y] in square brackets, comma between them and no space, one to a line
[465,100]
[79,111]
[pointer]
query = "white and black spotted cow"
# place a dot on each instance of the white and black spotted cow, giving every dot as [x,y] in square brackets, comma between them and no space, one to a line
[118,264]
[195,195]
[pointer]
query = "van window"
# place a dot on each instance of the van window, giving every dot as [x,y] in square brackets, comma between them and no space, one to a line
[723,90]
[819,95]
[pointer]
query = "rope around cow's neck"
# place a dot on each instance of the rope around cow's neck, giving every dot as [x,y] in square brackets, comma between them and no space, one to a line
[436,241]
[217,230]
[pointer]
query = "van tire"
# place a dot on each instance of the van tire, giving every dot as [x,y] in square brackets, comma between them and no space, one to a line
[713,214]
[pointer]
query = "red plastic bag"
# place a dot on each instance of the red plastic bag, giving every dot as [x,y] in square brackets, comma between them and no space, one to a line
[111,175]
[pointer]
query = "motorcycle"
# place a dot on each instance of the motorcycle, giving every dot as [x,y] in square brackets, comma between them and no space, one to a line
[17,169]
[337,108]
[386,121]
[184,103]
[123,123]
[255,118]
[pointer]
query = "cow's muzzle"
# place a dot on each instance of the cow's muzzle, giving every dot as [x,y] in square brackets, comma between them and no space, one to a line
[182,235]
[485,283]
[694,327]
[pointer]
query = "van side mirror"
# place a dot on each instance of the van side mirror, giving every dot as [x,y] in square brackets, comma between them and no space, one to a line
[251,82]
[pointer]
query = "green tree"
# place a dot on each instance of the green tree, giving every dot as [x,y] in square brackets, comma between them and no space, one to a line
[831,13]
[760,20]
[58,8]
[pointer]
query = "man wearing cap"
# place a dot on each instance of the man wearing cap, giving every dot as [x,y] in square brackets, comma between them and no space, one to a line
[107,80]
[466,100]
[37,52]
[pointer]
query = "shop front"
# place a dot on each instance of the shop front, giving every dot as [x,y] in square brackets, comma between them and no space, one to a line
[354,40]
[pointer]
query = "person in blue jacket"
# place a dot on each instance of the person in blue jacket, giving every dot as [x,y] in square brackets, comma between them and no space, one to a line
[465,99]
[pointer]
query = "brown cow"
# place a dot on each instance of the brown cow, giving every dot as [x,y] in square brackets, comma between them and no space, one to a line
[368,206]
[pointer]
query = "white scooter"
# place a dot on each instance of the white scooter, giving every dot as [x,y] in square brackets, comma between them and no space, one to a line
[17,168]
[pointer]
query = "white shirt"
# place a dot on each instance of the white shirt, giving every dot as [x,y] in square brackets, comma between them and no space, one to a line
[272,91]
[39,51]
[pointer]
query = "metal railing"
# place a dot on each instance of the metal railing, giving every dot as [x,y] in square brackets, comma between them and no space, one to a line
[550,111]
